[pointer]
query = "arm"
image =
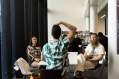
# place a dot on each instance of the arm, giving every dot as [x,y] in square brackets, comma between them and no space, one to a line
[69,26]
[72,29]
[99,55]
[29,55]
[96,57]
[87,57]
[92,57]
[87,53]
[42,56]
[45,52]
[60,57]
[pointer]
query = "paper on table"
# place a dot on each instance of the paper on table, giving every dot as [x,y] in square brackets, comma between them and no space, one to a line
[42,63]
[72,56]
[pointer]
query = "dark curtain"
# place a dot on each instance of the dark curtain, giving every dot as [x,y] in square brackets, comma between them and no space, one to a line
[6,42]
[20,20]
[42,21]
[36,19]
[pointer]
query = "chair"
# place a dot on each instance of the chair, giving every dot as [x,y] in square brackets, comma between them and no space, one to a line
[24,67]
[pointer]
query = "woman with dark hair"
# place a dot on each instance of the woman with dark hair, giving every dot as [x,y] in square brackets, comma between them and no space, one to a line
[34,52]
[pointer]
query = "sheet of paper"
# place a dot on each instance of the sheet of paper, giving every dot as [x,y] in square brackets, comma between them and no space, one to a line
[72,56]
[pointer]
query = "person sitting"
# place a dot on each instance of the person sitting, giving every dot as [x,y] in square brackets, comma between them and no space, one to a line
[55,51]
[103,40]
[34,52]
[94,52]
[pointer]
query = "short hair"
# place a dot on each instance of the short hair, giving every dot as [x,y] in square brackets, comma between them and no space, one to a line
[94,34]
[56,31]
[90,33]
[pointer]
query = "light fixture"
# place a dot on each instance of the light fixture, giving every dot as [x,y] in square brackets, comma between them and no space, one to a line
[104,15]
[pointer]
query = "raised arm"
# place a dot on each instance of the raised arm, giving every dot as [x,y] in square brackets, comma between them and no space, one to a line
[72,29]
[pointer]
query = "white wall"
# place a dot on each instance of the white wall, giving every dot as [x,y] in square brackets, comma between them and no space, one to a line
[112,34]
[70,11]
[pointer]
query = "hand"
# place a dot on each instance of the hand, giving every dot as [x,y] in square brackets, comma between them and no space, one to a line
[58,23]
[37,59]
[89,57]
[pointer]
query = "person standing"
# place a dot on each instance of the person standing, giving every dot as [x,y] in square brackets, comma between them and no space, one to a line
[55,51]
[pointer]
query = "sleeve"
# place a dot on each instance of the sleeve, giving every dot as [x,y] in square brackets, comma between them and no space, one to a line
[30,57]
[45,51]
[64,38]
[101,50]
[87,51]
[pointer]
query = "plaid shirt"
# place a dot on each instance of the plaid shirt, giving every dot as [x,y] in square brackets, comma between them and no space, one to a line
[54,52]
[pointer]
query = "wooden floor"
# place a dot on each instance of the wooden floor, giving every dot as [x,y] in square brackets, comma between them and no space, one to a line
[92,74]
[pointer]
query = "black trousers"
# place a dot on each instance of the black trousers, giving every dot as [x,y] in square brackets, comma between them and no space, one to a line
[50,74]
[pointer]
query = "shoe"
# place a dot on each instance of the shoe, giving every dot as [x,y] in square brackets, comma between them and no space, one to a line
[78,75]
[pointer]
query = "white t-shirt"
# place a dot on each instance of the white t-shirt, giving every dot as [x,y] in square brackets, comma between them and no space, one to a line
[97,50]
